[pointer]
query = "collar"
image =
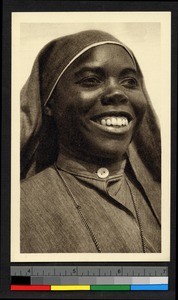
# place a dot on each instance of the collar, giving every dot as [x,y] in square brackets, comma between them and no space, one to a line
[80,168]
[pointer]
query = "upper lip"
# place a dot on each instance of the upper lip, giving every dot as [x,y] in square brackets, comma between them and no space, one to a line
[120,113]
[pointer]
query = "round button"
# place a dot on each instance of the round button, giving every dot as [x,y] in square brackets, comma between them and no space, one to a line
[103,173]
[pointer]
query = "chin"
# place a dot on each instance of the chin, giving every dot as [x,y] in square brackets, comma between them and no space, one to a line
[113,151]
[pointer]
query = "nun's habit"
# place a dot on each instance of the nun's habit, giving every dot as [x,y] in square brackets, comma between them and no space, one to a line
[68,207]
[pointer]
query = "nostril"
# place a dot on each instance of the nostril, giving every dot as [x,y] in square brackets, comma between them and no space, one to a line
[114,98]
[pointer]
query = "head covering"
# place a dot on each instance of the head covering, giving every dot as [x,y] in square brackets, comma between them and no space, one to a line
[39,146]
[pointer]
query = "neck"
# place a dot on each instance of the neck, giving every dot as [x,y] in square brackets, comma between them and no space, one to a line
[112,164]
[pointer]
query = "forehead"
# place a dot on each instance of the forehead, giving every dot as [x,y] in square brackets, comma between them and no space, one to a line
[104,55]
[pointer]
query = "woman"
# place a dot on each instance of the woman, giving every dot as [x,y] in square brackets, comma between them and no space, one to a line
[90,151]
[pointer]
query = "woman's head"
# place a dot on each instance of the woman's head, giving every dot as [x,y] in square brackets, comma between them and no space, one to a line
[98,102]
[80,104]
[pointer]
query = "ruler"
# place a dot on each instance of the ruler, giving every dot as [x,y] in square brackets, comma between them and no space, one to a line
[58,278]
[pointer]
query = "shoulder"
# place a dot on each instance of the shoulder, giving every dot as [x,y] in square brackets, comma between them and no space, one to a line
[40,178]
[40,184]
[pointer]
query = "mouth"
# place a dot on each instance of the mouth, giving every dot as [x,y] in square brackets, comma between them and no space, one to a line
[116,122]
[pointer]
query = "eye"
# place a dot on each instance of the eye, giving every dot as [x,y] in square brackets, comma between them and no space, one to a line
[89,81]
[130,82]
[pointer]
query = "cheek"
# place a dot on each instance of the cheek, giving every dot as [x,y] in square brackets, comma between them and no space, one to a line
[85,100]
[77,99]
[139,103]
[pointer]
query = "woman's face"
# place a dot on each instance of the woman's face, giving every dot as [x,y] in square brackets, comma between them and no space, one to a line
[99,102]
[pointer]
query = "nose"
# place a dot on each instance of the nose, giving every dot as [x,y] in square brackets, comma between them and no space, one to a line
[114,95]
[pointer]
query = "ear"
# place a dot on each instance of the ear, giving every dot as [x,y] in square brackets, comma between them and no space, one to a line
[50,107]
[48,110]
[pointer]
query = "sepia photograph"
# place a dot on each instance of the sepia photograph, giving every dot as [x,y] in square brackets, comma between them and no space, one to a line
[91,151]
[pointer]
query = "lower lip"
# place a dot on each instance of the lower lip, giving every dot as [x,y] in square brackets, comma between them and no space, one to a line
[114,129]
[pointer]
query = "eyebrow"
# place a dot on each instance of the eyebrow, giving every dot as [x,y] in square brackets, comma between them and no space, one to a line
[128,71]
[98,70]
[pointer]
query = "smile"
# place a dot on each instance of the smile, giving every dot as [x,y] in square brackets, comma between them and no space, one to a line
[114,122]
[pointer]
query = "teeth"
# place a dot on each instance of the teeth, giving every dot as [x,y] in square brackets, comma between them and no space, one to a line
[108,122]
[114,121]
[103,122]
[119,121]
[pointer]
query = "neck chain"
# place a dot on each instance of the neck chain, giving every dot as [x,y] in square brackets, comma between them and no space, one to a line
[78,207]
[87,226]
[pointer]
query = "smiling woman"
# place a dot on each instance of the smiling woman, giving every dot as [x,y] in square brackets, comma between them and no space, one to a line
[101,106]
[90,151]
